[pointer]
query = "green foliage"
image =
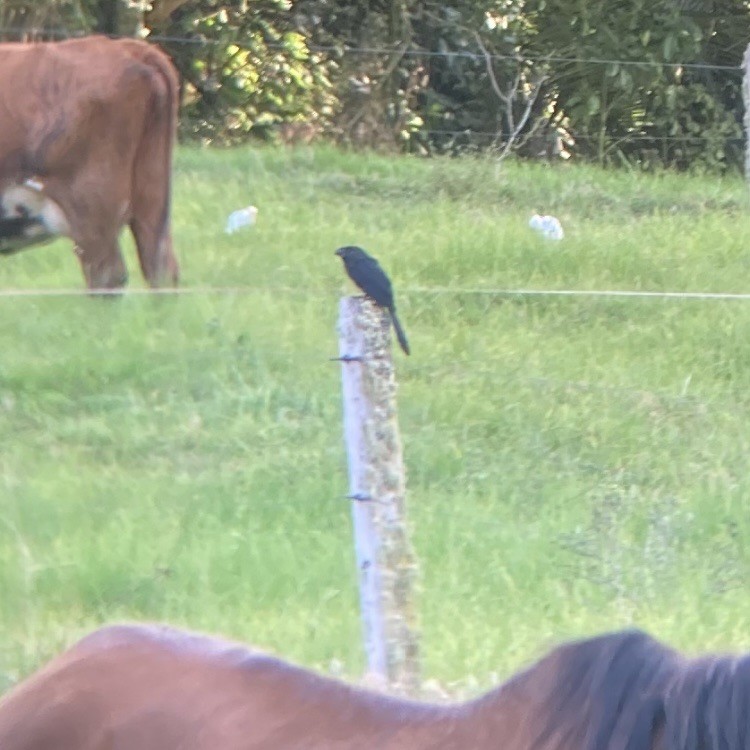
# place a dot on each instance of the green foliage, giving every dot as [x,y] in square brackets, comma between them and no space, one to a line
[245,69]
[28,19]
[53,19]
[643,108]
[375,82]
[461,107]
[428,90]
[637,106]
[689,129]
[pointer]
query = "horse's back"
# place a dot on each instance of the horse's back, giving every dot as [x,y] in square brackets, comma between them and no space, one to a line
[133,686]
[162,638]
[140,687]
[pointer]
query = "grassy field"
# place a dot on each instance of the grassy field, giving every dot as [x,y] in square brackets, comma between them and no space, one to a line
[575,464]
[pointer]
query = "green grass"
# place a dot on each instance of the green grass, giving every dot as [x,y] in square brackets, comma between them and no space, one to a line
[574,464]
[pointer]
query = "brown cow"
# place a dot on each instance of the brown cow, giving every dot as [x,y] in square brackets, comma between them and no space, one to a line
[139,687]
[87,129]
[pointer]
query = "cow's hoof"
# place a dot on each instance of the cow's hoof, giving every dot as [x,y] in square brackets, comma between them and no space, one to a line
[109,284]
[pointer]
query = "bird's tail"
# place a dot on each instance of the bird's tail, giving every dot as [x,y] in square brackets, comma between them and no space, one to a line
[400,335]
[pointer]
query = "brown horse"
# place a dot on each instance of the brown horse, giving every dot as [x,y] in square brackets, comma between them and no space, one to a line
[138,687]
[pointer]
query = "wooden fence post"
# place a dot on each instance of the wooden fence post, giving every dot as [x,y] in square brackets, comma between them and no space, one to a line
[386,563]
[746,100]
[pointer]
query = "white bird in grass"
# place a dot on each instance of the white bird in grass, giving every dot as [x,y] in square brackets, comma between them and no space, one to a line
[243,217]
[548,226]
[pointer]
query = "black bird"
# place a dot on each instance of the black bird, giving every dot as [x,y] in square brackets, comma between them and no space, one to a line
[367,274]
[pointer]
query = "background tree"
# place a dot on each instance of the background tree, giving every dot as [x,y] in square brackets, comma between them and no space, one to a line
[246,69]
[642,107]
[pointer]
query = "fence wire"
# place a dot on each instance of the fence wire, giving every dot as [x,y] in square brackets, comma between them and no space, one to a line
[385,51]
[696,296]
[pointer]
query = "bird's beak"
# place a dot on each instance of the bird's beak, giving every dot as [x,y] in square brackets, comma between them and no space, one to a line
[339,252]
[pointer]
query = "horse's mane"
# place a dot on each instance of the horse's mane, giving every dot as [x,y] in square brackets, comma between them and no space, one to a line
[599,696]
[626,690]
[708,705]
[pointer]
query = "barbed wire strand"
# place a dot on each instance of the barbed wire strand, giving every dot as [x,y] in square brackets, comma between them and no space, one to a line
[454,291]
[168,39]
[627,138]
[614,293]
[476,55]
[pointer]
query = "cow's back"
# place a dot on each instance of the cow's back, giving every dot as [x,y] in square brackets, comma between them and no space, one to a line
[53,93]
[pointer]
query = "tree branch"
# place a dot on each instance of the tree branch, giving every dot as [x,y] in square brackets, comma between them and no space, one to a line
[509,98]
[160,12]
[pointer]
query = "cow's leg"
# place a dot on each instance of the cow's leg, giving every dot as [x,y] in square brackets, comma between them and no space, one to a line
[150,196]
[94,220]
[95,230]
[158,262]
[101,261]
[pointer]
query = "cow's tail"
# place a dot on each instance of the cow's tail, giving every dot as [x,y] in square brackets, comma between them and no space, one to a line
[152,175]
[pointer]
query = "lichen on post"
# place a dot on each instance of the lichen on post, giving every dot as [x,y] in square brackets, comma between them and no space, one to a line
[385,558]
